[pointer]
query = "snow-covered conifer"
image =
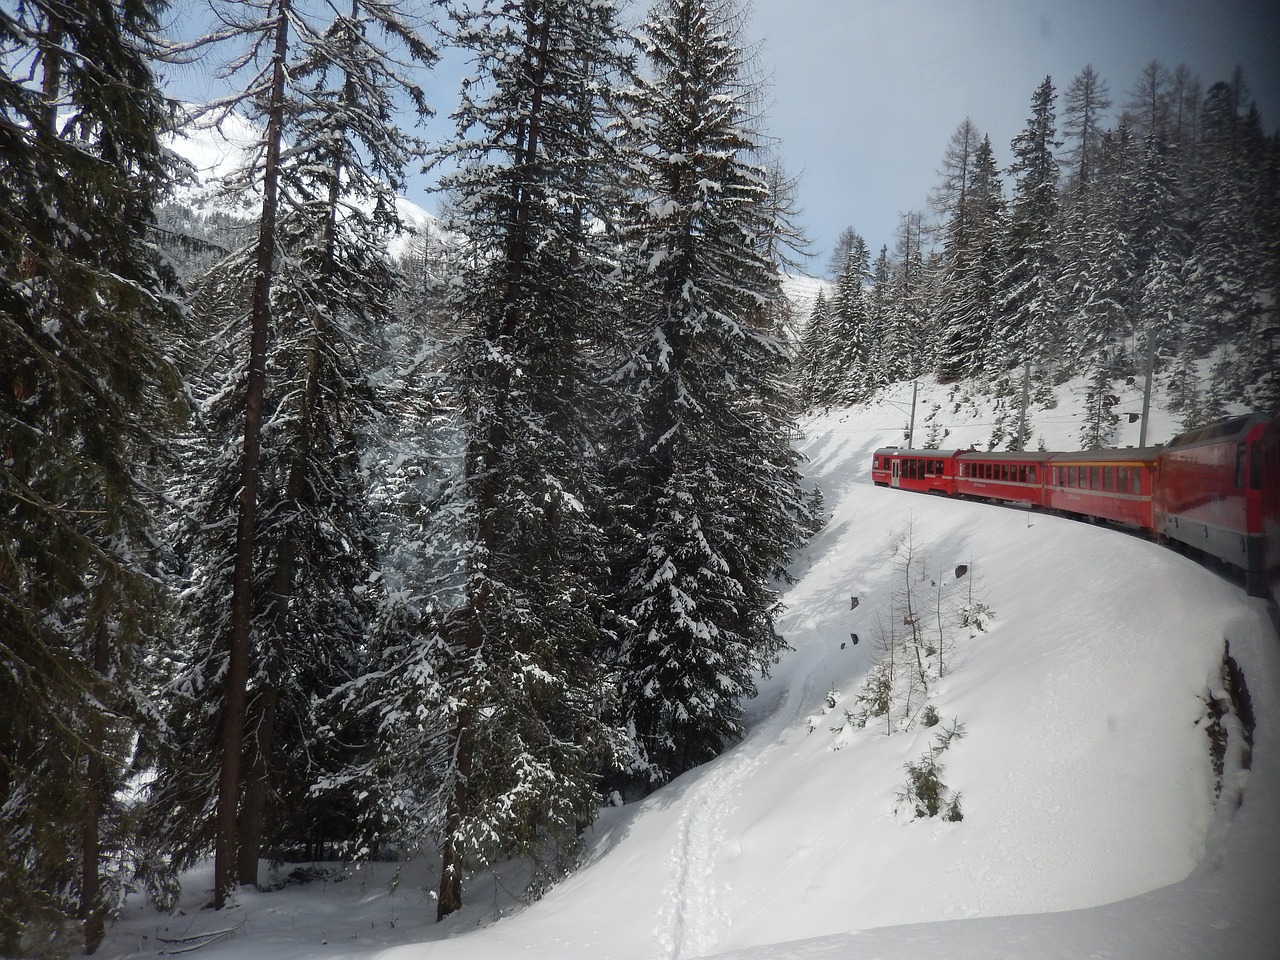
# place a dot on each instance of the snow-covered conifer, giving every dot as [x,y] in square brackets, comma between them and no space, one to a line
[507,735]
[707,454]
[278,509]
[88,398]
[1030,330]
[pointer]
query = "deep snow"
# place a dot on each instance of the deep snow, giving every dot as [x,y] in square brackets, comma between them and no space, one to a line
[1090,825]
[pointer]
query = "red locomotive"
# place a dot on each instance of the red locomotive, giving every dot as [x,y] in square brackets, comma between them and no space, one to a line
[1214,491]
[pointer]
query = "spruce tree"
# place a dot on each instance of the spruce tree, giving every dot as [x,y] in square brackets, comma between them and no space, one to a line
[708,455]
[299,557]
[812,358]
[970,197]
[1030,330]
[89,396]
[850,339]
[907,333]
[507,730]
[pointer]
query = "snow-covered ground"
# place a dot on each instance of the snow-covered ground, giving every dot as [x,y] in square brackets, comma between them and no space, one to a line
[1090,827]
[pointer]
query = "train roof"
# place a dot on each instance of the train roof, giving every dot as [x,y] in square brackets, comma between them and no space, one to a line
[919,452]
[1231,428]
[1008,456]
[1122,455]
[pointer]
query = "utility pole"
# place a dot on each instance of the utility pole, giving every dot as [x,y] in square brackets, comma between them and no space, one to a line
[1146,389]
[911,427]
[1026,398]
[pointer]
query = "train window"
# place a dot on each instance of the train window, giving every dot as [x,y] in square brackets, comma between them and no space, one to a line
[1031,473]
[1095,478]
[1108,480]
[1240,448]
[1122,479]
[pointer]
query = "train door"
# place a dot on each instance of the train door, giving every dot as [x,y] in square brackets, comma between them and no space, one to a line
[895,475]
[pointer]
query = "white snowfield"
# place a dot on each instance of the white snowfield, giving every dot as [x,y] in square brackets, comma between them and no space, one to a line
[1090,827]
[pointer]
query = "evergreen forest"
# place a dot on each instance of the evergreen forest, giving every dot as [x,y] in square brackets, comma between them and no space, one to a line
[308,550]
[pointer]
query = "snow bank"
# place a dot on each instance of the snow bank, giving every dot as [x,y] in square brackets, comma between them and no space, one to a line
[1090,825]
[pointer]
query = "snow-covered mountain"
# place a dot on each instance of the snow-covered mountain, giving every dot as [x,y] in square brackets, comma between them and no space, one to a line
[1094,824]
[218,146]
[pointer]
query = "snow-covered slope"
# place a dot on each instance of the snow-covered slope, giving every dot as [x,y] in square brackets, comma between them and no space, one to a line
[802,291]
[1090,824]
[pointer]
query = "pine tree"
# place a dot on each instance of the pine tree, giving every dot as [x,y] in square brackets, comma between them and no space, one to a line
[1097,276]
[506,673]
[849,335]
[301,561]
[89,397]
[1149,107]
[709,454]
[971,256]
[1097,432]
[1030,326]
[907,331]
[812,359]
[1086,102]
[1160,240]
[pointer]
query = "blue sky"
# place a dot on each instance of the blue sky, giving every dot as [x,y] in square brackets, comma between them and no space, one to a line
[866,93]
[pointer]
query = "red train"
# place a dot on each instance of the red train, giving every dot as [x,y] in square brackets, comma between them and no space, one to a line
[1214,491]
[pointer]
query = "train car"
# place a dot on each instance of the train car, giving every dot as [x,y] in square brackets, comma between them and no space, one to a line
[926,471]
[1211,493]
[881,471]
[1215,490]
[1114,485]
[1267,462]
[1008,477]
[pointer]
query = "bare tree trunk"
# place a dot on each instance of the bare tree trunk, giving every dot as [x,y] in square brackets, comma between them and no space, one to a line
[92,911]
[451,849]
[233,721]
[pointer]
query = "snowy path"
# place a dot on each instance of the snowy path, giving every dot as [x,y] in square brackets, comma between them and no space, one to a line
[693,916]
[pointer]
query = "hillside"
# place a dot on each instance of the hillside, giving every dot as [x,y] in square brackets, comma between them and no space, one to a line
[1089,825]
